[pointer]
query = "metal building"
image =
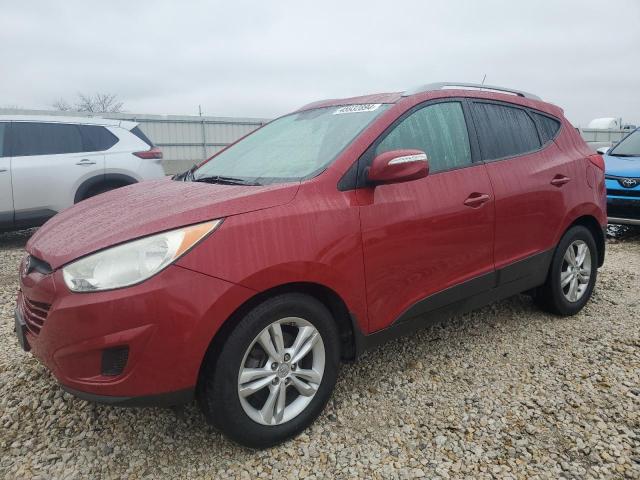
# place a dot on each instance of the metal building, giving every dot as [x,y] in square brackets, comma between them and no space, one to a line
[184,140]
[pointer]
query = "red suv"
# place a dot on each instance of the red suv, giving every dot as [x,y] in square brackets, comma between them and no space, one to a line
[246,280]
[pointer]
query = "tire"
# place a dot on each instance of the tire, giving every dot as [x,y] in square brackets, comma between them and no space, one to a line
[247,418]
[558,299]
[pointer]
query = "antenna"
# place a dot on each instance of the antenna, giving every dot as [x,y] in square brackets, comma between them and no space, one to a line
[483,79]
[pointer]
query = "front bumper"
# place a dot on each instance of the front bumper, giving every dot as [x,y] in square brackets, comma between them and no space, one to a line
[169,399]
[165,324]
[623,211]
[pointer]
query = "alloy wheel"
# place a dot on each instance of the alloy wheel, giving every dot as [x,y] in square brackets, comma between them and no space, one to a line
[281,371]
[575,272]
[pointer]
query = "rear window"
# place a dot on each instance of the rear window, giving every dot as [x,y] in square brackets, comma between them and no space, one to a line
[139,133]
[44,139]
[96,138]
[547,126]
[504,131]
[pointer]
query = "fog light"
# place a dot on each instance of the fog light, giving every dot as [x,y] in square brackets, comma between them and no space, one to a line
[114,360]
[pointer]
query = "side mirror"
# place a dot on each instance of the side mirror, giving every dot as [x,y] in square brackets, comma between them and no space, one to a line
[398,166]
[603,150]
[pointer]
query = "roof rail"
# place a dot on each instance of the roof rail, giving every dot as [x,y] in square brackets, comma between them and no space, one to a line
[472,86]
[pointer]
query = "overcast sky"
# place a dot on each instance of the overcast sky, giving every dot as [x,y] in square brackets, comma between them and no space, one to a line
[264,58]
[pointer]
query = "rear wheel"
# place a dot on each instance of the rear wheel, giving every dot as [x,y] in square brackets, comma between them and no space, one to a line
[274,373]
[572,275]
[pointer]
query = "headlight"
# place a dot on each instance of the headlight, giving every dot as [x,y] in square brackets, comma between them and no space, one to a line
[135,261]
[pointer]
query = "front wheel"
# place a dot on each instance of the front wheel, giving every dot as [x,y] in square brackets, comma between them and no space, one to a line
[572,275]
[274,372]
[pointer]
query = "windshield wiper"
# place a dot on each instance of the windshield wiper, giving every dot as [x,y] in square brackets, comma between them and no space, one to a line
[226,180]
[624,154]
[186,176]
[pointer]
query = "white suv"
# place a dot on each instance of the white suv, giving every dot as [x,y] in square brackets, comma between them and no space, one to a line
[49,163]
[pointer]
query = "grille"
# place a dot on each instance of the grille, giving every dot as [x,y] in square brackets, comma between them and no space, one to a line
[34,314]
[624,211]
[624,193]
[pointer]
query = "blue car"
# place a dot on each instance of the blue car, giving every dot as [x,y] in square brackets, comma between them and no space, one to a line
[622,174]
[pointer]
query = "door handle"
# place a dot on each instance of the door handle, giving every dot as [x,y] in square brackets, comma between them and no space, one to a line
[86,161]
[476,200]
[2,170]
[560,180]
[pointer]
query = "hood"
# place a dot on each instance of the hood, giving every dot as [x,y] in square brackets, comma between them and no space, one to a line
[145,208]
[622,166]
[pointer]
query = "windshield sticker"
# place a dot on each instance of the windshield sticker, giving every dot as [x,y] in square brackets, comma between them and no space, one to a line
[364,107]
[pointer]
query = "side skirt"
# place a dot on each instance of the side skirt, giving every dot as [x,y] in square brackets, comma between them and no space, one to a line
[32,218]
[470,295]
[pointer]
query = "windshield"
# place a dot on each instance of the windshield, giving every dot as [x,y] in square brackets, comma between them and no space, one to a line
[628,147]
[293,147]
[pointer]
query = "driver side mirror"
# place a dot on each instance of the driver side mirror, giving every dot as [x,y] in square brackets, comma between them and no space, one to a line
[603,150]
[398,166]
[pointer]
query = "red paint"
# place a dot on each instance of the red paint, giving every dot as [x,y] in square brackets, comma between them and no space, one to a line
[419,238]
[380,249]
[384,170]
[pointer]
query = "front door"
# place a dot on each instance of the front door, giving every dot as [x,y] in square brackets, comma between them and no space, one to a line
[422,237]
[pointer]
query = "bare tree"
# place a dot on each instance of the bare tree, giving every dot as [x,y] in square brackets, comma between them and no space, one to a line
[62,105]
[96,103]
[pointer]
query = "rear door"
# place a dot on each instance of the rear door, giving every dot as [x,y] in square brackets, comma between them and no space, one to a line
[6,194]
[423,237]
[529,174]
[49,162]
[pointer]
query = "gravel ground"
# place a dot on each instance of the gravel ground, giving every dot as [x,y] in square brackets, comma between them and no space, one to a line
[503,392]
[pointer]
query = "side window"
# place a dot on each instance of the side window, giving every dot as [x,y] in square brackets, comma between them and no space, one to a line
[44,139]
[504,131]
[439,130]
[3,129]
[547,126]
[96,138]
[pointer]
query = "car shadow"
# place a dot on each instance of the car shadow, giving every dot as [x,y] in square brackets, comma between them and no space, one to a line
[16,239]
[623,232]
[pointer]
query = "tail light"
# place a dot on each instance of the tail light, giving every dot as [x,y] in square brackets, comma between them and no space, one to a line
[152,153]
[597,160]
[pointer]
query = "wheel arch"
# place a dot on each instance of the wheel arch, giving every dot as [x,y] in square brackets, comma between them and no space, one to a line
[102,179]
[591,223]
[328,297]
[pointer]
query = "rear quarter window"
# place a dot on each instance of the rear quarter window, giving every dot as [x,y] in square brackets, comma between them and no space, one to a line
[96,138]
[547,126]
[504,131]
[140,134]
